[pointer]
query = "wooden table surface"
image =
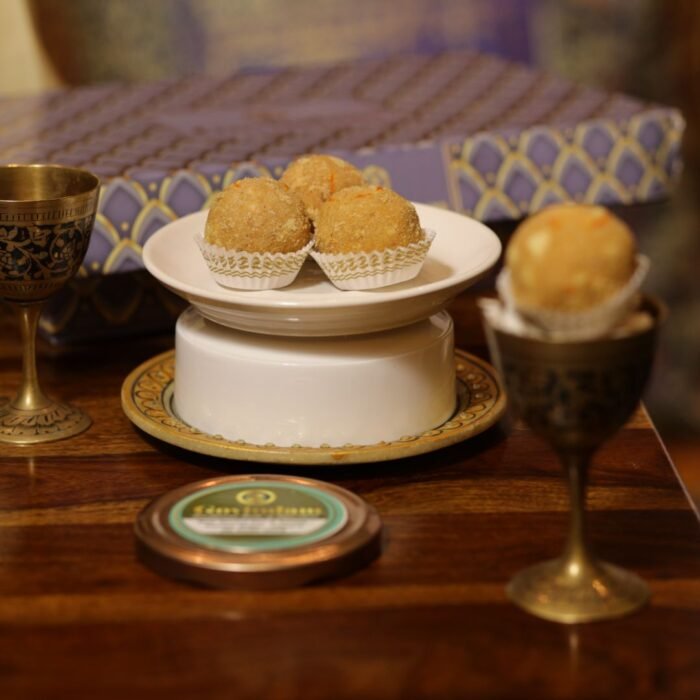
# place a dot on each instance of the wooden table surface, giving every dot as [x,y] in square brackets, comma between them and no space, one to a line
[80,617]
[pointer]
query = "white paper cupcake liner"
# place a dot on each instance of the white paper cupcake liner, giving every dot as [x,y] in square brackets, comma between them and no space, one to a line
[583,325]
[380,268]
[238,269]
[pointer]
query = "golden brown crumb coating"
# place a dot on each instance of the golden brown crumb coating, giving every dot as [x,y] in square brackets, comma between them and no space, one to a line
[364,219]
[258,215]
[570,257]
[316,177]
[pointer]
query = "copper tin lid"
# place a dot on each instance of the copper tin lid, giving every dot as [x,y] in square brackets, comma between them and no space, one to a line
[257,531]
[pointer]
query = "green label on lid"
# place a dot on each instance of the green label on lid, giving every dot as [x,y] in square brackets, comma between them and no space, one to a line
[257,516]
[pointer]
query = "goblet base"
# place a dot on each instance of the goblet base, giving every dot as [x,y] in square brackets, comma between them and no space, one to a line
[56,421]
[599,592]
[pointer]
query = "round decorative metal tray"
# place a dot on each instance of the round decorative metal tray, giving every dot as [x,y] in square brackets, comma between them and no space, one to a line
[147,400]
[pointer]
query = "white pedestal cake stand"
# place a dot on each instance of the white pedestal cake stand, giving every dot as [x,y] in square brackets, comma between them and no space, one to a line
[306,373]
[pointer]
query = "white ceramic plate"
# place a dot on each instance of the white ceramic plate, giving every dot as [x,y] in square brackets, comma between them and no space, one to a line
[462,252]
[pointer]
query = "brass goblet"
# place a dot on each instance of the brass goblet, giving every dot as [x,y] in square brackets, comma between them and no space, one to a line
[46,217]
[576,395]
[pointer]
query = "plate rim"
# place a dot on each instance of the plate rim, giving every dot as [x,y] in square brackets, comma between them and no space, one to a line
[213,446]
[234,299]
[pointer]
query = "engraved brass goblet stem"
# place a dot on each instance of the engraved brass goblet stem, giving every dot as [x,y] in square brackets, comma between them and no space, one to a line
[30,397]
[46,217]
[576,395]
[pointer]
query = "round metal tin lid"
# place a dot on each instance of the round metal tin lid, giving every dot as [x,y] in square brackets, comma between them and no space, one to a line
[257,531]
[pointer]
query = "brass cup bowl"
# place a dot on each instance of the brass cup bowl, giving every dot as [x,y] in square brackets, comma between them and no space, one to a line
[576,395]
[46,218]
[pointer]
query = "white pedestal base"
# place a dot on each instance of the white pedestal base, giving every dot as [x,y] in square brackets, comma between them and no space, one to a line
[357,390]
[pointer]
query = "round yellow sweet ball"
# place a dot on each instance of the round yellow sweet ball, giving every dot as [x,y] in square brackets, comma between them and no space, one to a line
[365,219]
[258,215]
[570,257]
[316,177]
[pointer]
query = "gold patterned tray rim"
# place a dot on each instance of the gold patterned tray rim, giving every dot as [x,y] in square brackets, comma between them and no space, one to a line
[147,394]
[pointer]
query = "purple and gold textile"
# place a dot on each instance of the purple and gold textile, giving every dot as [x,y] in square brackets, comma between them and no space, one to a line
[492,139]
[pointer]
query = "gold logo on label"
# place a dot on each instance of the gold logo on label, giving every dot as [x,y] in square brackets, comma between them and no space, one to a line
[256,497]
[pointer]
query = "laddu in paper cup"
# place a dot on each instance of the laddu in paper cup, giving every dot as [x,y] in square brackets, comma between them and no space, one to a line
[581,325]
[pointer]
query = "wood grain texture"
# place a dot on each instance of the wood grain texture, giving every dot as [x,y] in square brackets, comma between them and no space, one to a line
[80,617]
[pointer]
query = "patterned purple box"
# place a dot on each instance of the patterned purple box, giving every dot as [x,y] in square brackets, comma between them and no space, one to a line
[492,139]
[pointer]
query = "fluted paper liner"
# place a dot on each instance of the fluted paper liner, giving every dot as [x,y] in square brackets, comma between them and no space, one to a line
[238,269]
[380,268]
[580,325]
